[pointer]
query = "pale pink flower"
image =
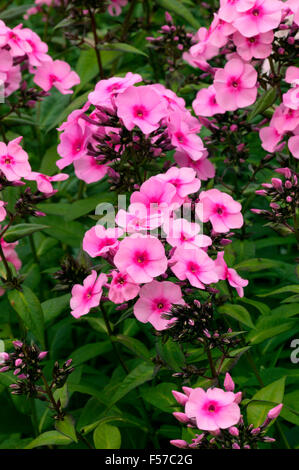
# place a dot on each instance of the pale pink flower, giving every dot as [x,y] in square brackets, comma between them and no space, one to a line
[220,31]
[15,38]
[38,53]
[89,169]
[44,181]
[114,7]
[10,253]
[183,179]
[14,160]
[87,296]
[270,138]
[186,234]
[261,17]
[56,73]
[259,46]
[122,288]
[13,80]
[156,195]
[292,75]
[138,218]
[106,90]
[205,103]
[285,119]
[202,51]
[203,167]
[231,275]
[291,98]
[220,209]
[293,145]
[293,5]
[2,210]
[142,107]
[155,300]
[194,265]
[73,143]
[98,241]
[230,9]
[235,85]
[143,258]
[183,136]
[212,409]
[174,102]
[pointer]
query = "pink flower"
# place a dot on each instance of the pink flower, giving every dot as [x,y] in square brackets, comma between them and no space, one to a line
[291,98]
[89,169]
[261,17]
[87,296]
[285,119]
[182,233]
[73,143]
[114,7]
[138,218]
[174,103]
[156,299]
[235,85]
[230,274]
[44,182]
[142,107]
[270,138]
[259,46]
[38,53]
[202,51]
[205,103]
[122,288]
[156,195]
[220,209]
[203,167]
[143,258]
[194,265]
[292,75]
[10,253]
[14,160]
[230,9]
[97,241]
[293,145]
[183,135]
[106,90]
[212,409]
[220,31]
[56,73]
[14,38]
[2,210]
[183,179]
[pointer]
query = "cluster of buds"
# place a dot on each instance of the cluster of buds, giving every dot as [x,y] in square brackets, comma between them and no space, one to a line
[71,273]
[284,196]
[30,96]
[171,43]
[5,183]
[60,374]
[25,205]
[230,432]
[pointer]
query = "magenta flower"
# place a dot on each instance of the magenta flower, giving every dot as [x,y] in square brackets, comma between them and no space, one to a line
[202,50]
[212,409]
[156,299]
[263,16]
[44,182]
[235,85]
[2,210]
[14,160]
[106,90]
[73,143]
[205,103]
[181,233]
[143,258]
[259,46]
[97,241]
[56,73]
[122,288]
[231,275]
[142,107]
[87,296]
[220,209]
[194,265]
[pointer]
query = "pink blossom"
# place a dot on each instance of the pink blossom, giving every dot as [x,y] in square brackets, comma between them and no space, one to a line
[292,75]
[87,296]
[155,300]
[38,53]
[106,90]
[235,85]
[194,265]
[44,182]
[220,31]
[114,7]
[220,209]
[138,218]
[261,17]
[230,274]
[73,143]
[13,80]
[56,73]
[98,240]
[293,145]
[205,103]
[143,258]
[183,179]
[156,195]
[2,210]
[173,101]
[183,136]
[14,160]
[259,46]
[230,9]
[212,409]
[10,253]
[89,169]
[186,234]
[285,119]
[270,138]
[203,167]
[202,51]
[14,38]
[294,7]
[122,288]
[142,107]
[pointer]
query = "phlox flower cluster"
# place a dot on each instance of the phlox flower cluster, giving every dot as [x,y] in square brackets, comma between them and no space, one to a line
[22,49]
[123,127]
[216,414]
[153,244]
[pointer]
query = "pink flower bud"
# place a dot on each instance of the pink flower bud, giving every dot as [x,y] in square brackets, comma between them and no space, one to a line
[261,192]
[187,390]
[229,384]
[179,443]
[277,183]
[233,431]
[180,397]
[42,355]
[18,362]
[17,344]
[4,369]
[235,446]
[181,417]
[275,412]
[238,397]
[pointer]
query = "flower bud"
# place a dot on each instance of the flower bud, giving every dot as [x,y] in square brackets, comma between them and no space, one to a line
[181,398]
[229,384]
[181,417]
[179,443]
[275,412]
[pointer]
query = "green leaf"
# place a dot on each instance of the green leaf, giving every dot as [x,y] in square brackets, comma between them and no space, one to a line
[293,288]
[66,427]
[230,362]
[77,103]
[263,103]
[29,309]
[48,164]
[14,12]
[136,377]
[55,306]
[87,66]
[71,233]
[257,412]
[237,312]
[160,396]
[16,232]
[260,306]
[106,436]
[180,9]
[257,264]
[133,344]
[268,328]
[171,353]
[89,351]
[49,438]
[120,47]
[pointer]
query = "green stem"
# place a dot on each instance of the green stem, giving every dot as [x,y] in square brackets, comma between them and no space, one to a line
[110,334]
[6,266]
[96,41]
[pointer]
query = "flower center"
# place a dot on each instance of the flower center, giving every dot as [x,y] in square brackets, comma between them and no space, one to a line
[140,112]
[255,12]
[180,137]
[211,409]
[141,258]
[160,306]
[219,211]
[53,78]
[193,268]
